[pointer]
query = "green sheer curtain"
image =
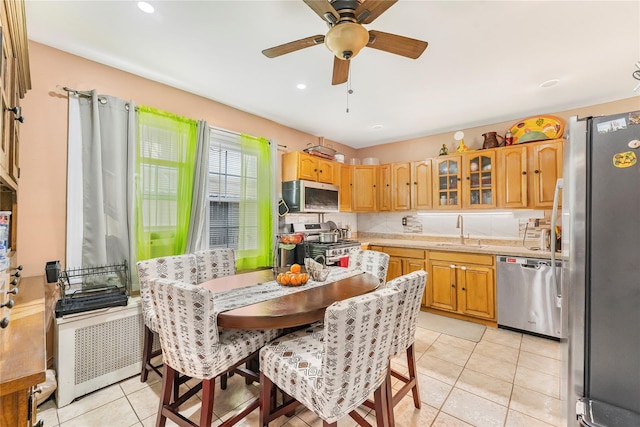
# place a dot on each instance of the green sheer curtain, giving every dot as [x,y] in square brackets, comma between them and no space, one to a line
[164,182]
[256,205]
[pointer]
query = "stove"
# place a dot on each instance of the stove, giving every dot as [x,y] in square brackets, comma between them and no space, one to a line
[312,247]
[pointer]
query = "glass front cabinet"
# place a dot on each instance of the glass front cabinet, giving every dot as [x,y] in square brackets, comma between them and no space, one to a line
[479,179]
[447,189]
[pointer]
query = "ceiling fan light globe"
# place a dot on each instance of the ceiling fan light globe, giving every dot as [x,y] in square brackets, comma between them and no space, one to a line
[346,39]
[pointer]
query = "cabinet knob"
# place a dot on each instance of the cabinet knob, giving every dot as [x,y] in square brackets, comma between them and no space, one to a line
[463,268]
[452,266]
[320,170]
[453,286]
[463,289]
[315,170]
[387,185]
[536,171]
[4,322]
[468,178]
[524,172]
[415,183]
[408,183]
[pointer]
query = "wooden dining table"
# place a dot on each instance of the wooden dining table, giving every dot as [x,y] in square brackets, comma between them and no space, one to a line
[286,311]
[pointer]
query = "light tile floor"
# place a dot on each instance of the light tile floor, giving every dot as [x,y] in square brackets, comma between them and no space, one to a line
[506,379]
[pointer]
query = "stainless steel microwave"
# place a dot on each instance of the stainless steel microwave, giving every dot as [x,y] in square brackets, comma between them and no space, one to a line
[310,196]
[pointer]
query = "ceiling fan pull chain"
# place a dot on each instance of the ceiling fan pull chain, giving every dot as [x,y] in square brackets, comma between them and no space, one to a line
[349,90]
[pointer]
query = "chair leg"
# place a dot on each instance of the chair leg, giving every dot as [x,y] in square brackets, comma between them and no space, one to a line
[165,395]
[223,381]
[382,405]
[266,401]
[411,363]
[206,414]
[146,353]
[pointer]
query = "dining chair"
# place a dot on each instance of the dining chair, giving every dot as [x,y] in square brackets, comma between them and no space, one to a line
[331,368]
[178,267]
[374,262]
[411,286]
[214,263]
[191,347]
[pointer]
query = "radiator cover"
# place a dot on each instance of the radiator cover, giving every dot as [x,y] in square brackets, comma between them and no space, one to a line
[96,349]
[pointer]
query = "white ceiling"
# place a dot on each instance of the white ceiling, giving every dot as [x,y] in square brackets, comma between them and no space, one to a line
[484,63]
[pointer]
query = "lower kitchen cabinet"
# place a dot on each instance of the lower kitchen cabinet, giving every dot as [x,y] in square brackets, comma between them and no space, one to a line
[462,285]
[403,260]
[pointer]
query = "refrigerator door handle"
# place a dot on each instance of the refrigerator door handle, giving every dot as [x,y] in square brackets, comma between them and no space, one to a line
[554,214]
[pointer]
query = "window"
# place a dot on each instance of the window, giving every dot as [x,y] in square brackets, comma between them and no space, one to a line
[240,193]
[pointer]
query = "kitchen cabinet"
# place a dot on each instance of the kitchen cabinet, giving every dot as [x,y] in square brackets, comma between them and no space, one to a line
[447,174]
[299,165]
[403,260]
[412,185]
[365,193]
[527,174]
[346,188]
[385,190]
[546,160]
[462,285]
[479,184]
[23,361]
[512,177]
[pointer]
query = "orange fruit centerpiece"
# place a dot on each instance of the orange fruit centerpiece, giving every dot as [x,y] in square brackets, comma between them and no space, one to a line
[295,268]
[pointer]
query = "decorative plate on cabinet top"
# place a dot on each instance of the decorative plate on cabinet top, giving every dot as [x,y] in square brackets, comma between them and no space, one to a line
[537,128]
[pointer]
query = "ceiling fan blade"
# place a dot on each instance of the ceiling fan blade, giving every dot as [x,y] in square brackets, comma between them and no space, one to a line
[272,52]
[393,43]
[322,7]
[372,9]
[340,71]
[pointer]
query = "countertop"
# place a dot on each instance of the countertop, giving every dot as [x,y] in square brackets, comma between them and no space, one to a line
[471,245]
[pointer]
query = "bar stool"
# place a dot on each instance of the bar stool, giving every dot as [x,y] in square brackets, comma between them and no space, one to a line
[191,347]
[334,367]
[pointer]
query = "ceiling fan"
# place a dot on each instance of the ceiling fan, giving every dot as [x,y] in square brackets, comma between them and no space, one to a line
[347,36]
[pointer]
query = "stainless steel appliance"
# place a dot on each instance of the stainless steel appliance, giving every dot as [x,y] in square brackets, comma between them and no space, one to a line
[313,247]
[601,231]
[310,196]
[527,299]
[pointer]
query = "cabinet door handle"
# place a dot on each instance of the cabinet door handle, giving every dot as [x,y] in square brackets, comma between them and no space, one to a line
[463,268]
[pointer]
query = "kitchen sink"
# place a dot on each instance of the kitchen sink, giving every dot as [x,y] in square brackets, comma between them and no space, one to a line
[459,245]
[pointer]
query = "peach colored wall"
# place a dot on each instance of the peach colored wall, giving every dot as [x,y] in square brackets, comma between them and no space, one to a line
[429,146]
[43,140]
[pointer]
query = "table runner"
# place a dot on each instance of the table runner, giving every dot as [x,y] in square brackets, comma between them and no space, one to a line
[240,297]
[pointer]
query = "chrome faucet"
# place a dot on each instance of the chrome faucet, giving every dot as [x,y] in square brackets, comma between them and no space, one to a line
[460,225]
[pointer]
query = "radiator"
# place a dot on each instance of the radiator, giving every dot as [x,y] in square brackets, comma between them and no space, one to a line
[97,348]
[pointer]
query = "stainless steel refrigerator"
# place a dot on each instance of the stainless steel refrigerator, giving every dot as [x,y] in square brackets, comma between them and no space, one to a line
[601,273]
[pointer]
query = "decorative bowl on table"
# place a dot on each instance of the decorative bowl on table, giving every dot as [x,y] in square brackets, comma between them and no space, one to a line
[295,275]
[317,271]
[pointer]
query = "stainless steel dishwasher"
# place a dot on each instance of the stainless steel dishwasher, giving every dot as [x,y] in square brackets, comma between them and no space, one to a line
[527,297]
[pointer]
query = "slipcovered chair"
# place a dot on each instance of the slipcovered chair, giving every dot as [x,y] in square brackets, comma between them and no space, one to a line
[214,263]
[179,267]
[187,329]
[412,288]
[374,262]
[332,368]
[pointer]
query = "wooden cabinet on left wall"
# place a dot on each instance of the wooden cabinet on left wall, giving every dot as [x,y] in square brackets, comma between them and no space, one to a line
[298,165]
[22,332]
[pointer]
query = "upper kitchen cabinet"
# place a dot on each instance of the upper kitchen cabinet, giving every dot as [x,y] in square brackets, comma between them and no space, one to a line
[384,187]
[527,174]
[547,168]
[412,185]
[365,194]
[298,165]
[447,191]
[479,179]
[15,80]
[346,188]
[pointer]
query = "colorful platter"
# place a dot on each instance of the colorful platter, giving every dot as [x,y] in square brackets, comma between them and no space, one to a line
[537,128]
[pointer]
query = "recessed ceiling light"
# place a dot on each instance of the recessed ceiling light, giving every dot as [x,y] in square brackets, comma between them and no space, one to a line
[145,7]
[377,127]
[301,86]
[550,83]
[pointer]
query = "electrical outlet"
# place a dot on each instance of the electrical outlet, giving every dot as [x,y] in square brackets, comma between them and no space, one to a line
[404,220]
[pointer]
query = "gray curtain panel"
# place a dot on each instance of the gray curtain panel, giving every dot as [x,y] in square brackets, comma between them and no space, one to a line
[198,238]
[108,127]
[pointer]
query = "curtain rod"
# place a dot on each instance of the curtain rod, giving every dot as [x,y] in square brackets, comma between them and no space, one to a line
[88,94]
